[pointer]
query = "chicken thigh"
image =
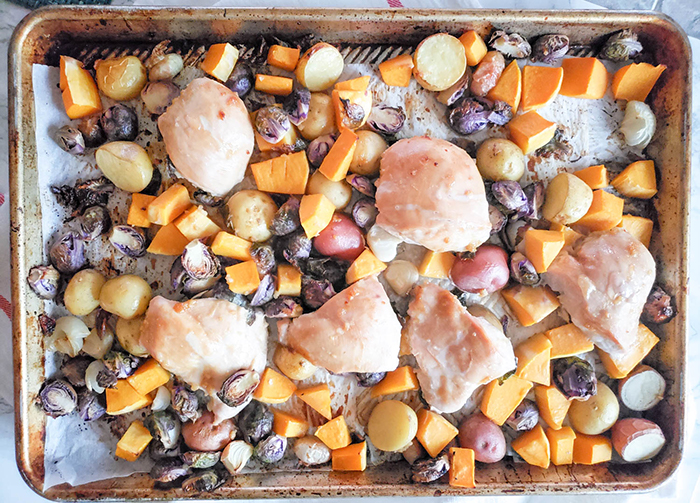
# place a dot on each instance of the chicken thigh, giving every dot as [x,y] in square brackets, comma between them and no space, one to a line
[430,193]
[203,342]
[355,331]
[208,136]
[603,283]
[456,352]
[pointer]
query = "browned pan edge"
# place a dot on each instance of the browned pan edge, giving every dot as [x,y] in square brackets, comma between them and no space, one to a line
[46,27]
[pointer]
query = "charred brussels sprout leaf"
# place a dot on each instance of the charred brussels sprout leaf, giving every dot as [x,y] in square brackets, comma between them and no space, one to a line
[70,139]
[659,307]
[429,470]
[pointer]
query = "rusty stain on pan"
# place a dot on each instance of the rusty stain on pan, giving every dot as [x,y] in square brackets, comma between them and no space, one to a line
[364,34]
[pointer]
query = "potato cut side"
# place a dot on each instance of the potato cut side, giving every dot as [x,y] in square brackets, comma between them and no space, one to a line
[636,439]
[320,67]
[642,389]
[439,62]
[567,199]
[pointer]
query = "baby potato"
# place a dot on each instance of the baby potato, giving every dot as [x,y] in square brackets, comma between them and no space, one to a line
[392,425]
[320,67]
[250,213]
[368,150]
[120,78]
[126,164]
[485,437]
[499,159]
[205,435]
[321,117]
[292,364]
[439,61]
[82,295]
[129,336]
[126,296]
[339,193]
[597,414]
[566,199]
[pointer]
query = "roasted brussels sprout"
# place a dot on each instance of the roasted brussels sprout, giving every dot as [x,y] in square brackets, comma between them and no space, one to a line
[468,116]
[157,96]
[131,241]
[364,213]
[47,324]
[286,218]
[238,387]
[522,270]
[198,261]
[296,105]
[621,46]
[327,268]
[498,220]
[121,363]
[264,258]
[92,131]
[200,460]
[186,404]
[157,452]
[369,379]
[169,469]
[236,455]
[296,247]
[272,123]
[659,307]
[205,481]
[120,123]
[386,120]
[525,416]
[255,422]
[89,406]
[429,470]
[271,449]
[68,253]
[574,377]
[315,292]
[318,149]
[58,398]
[550,48]
[241,80]
[73,369]
[509,195]
[511,45]
[265,291]
[164,67]
[44,280]
[70,139]
[362,184]
[283,307]
[94,222]
[457,91]
[535,199]
[165,427]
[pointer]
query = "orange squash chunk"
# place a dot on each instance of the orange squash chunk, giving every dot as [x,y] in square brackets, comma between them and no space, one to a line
[397,71]
[337,162]
[133,442]
[474,47]
[196,224]
[591,449]
[318,398]
[169,205]
[637,180]
[461,467]
[315,213]
[168,241]
[530,131]
[229,245]
[509,86]
[149,376]
[364,265]
[596,177]
[271,84]
[282,57]
[436,264]
[604,214]
[352,458]
[220,60]
[541,85]
[552,404]
[288,281]
[243,278]
[561,445]
[288,425]
[357,84]
[635,81]
[533,447]
[568,340]
[340,98]
[542,247]
[80,95]
[434,431]
[618,367]
[531,304]
[533,359]
[502,397]
[334,433]
[397,381]
[585,78]
[286,174]
[124,398]
[273,387]
[138,215]
[639,227]
[570,235]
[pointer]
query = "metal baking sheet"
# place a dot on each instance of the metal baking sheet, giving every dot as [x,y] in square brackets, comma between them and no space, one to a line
[47,32]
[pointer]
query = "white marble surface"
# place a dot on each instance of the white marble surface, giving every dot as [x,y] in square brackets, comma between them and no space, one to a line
[684,486]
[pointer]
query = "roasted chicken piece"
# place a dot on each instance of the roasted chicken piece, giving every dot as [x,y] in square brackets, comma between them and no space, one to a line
[456,352]
[355,331]
[204,341]
[430,193]
[603,283]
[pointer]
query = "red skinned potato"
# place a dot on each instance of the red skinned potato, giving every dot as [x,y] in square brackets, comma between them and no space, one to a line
[341,239]
[204,435]
[486,272]
[636,439]
[484,437]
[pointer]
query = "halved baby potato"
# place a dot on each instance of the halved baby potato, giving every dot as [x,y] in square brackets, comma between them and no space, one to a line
[439,62]
[567,199]
[320,67]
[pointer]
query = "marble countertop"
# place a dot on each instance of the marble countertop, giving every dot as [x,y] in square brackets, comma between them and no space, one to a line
[684,487]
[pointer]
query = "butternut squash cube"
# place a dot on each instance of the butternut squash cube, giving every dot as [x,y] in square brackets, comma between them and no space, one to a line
[282,57]
[618,367]
[474,47]
[596,177]
[604,214]
[337,162]
[591,449]
[196,224]
[271,84]
[168,241]
[637,180]
[397,381]
[639,227]
[243,278]
[462,467]
[533,447]
[541,85]
[363,266]
[436,264]
[552,404]
[288,281]
[530,304]
[542,247]
[230,245]
[318,398]
[80,95]
[357,84]
[570,235]
[561,445]
[133,442]
[288,425]
[124,398]
[334,433]
[352,458]
[286,174]
[533,359]
[169,205]
[344,99]
[397,71]
[273,387]
[585,78]
[502,397]
[568,340]
[531,131]
[634,82]
[220,60]
[434,431]
[149,376]
[315,213]
[138,214]
[509,86]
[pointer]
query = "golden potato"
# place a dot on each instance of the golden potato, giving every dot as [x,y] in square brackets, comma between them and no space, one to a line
[368,151]
[392,425]
[566,199]
[82,295]
[126,296]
